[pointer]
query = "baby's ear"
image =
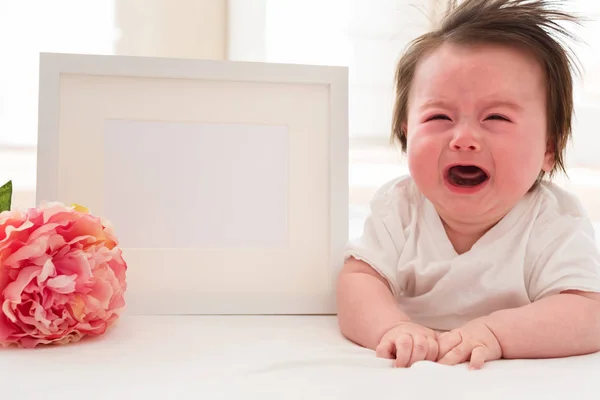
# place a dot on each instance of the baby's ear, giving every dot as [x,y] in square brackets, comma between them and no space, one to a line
[548,164]
[404,127]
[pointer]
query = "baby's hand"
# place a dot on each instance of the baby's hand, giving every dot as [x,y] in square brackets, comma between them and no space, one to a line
[408,343]
[474,342]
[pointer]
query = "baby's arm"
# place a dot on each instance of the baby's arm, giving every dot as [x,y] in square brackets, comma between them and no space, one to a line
[366,307]
[563,318]
[564,285]
[561,325]
[368,310]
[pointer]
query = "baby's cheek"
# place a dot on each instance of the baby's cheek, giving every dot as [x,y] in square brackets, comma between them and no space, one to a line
[519,169]
[423,160]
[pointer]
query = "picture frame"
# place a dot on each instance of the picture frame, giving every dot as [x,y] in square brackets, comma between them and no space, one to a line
[226,181]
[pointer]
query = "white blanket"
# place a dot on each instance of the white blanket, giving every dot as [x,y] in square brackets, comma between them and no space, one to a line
[267,357]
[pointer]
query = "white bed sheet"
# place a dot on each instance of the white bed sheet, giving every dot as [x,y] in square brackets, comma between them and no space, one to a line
[267,357]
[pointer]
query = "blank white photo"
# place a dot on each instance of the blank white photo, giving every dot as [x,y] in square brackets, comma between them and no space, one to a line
[196,185]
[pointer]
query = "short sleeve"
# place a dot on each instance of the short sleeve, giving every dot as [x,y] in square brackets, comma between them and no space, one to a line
[569,262]
[382,238]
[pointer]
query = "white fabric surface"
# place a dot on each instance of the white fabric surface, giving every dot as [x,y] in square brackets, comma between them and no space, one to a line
[543,246]
[267,357]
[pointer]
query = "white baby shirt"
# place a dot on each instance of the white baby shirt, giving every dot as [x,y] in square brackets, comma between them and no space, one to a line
[543,246]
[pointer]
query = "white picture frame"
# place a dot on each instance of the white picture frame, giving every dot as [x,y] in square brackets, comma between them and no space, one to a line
[80,96]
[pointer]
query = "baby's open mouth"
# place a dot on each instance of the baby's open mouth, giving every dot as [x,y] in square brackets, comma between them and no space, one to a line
[467,176]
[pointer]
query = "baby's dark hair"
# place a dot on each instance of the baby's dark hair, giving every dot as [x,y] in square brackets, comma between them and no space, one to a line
[527,24]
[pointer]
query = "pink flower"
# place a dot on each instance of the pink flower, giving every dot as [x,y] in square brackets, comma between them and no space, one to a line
[62,276]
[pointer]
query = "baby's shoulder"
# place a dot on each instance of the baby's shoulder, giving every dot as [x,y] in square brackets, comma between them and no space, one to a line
[399,199]
[559,213]
[556,202]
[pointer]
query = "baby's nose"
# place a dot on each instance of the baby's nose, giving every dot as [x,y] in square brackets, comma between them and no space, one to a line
[465,141]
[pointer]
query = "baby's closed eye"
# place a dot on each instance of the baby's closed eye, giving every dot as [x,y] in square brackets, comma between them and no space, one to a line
[498,117]
[438,117]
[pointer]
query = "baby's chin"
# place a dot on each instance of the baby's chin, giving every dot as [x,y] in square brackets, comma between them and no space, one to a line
[486,208]
[465,212]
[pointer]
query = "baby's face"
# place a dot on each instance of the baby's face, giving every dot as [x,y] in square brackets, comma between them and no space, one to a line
[483,108]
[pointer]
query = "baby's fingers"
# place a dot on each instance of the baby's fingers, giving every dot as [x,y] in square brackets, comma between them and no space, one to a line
[478,357]
[447,341]
[432,352]
[404,348]
[386,349]
[419,350]
[457,354]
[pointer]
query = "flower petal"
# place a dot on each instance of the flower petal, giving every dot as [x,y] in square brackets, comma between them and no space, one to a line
[7,329]
[33,249]
[47,271]
[7,311]
[77,306]
[45,230]
[63,284]
[13,290]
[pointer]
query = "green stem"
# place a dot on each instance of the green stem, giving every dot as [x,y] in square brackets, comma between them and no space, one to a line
[6,196]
